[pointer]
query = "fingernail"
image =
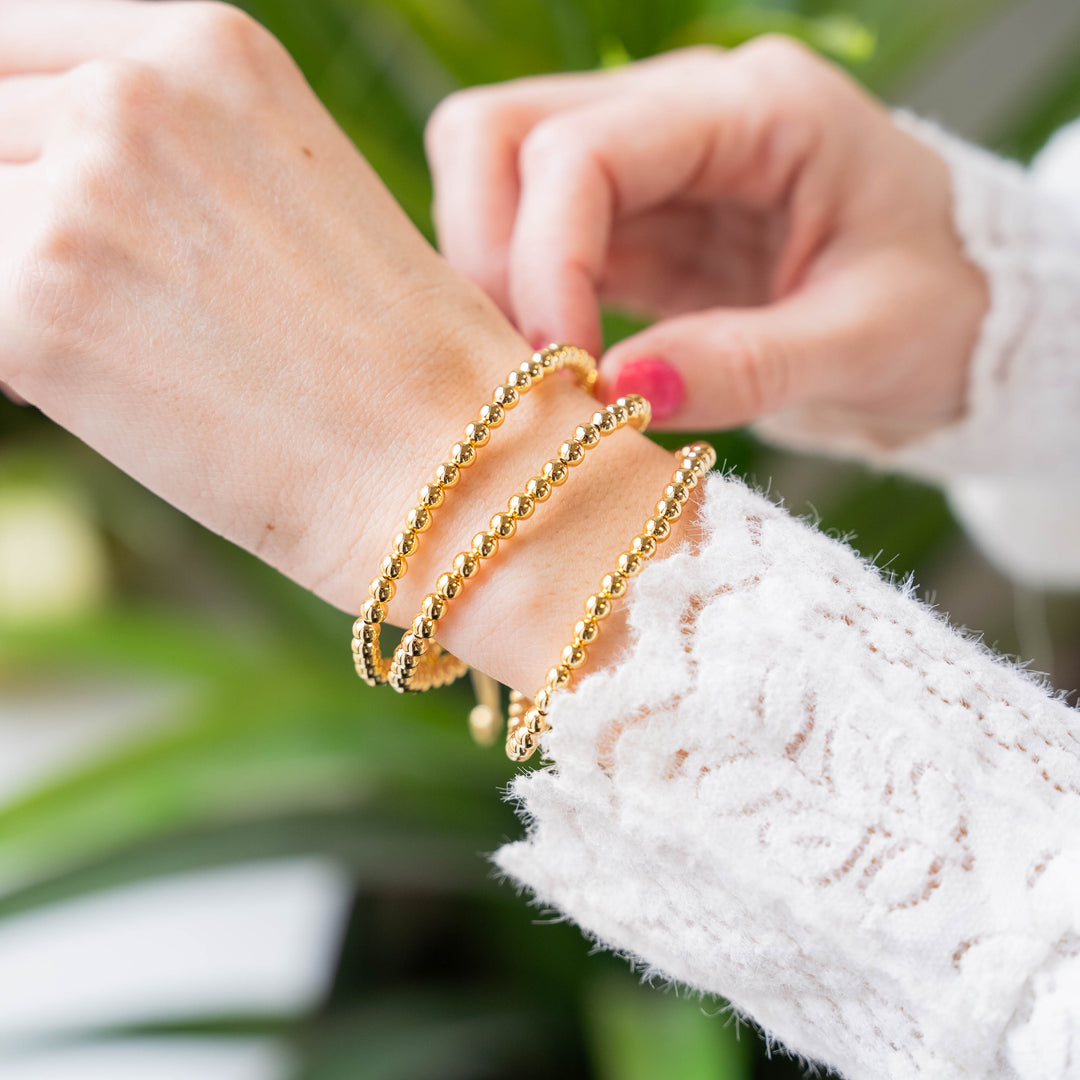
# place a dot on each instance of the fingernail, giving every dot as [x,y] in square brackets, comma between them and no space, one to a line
[654,378]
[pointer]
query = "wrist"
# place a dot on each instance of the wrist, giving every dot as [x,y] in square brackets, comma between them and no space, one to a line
[517,615]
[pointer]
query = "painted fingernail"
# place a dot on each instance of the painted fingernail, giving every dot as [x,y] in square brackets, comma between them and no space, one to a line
[654,378]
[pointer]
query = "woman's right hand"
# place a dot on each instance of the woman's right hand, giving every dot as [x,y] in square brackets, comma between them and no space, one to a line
[795,244]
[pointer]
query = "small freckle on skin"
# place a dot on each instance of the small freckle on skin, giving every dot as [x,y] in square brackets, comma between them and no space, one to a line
[307,151]
[269,527]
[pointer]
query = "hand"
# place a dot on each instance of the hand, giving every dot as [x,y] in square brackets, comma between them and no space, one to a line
[202,278]
[795,244]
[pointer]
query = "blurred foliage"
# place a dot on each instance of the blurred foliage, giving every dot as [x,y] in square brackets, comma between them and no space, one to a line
[267,744]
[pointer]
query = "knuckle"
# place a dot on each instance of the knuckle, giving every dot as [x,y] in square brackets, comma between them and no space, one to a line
[778,53]
[758,368]
[119,94]
[226,37]
[462,116]
[704,54]
[553,140]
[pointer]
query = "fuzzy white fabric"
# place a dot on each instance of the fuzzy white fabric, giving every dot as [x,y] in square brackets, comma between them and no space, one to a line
[802,790]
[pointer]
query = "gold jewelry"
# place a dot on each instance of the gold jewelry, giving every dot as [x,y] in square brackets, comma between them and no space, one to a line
[528,718]
[371,665]
[407,670]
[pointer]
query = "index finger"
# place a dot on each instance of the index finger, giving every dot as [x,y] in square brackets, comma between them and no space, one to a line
[472,142]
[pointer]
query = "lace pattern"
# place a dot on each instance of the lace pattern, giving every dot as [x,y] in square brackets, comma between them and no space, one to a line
[800,789]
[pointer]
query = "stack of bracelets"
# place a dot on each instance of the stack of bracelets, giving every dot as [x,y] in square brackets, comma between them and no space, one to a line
[418,662]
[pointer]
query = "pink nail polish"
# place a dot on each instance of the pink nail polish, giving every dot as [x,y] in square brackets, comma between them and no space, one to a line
[654,378]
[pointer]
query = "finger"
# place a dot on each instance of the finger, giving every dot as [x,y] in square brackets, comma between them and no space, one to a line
[55,35]
[725,367]
[715,133]
[472,142]
[28,105]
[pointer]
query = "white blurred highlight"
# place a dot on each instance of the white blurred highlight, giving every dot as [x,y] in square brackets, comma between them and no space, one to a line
[254,940]
[157,1059]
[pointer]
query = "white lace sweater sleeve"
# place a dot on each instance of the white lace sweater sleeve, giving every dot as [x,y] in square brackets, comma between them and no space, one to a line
[801,790]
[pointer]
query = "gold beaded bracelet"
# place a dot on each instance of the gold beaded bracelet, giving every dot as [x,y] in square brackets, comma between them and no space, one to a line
[407,670]
[528,718]
[370,664]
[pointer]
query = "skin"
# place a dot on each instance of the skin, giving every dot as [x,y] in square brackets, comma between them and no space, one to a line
[202,279]
[796,246]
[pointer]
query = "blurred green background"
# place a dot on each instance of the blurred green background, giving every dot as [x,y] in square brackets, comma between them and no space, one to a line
[259,742]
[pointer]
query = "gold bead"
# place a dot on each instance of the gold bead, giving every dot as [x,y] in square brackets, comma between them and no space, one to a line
[533,368]
[449,585]
[434,606]
[621,414]
[555,471]
[669,508]
[613,585]
[503,526]
[679,492]
[586,630]
[519,380]
[358,628]
[571,452]
[411,645]
[659,527]
[373,611]
[423,627]
[447,474]
[685,476]
[550,357]
[542,701]
[478,434]
[538,489]
[634,404]
[598,606]
[463,454]
[644,544]
[406,542]
[587,434]
[393,566]
[419,519]
[521,506]
[708,455]
[521,745]
[573,656]
[630,563]
[559,677]
[533,722]
[491,414]
[506,396]
[364,632]
[485,544]
[381,589]
[466,563]
[604,421]
[431,495]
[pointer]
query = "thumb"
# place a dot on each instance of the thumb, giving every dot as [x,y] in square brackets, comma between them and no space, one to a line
[725,367]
